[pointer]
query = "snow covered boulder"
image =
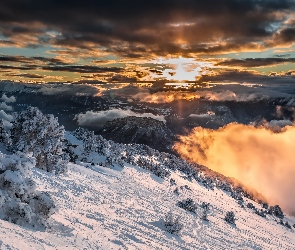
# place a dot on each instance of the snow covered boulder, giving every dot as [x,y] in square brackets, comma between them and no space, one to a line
[20,203]
[38,134]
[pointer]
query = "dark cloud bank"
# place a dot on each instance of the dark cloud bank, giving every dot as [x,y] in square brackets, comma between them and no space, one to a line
[136,28]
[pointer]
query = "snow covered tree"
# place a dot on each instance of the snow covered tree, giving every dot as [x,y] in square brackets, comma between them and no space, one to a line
[109,161]
[172,223]
[188,204]
[230,218]
[20,203]
[89,140]
[206,209]
[4,138]
[68,149]
[41,135]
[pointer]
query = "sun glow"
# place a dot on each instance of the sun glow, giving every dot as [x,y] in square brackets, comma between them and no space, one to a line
[183,69]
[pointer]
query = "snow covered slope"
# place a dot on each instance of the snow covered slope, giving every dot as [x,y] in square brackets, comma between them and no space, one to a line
[123,208]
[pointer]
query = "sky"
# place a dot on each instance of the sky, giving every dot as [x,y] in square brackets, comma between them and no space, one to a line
[145,41]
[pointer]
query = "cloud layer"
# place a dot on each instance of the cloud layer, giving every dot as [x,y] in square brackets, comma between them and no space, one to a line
[99,118]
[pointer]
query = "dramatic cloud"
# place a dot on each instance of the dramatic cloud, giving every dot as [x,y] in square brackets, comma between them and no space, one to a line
[255,62]
[82,69]
[26,75]
[221,95]
[33,59]
[256,156]
[98,119]
[55,40]
[131,29]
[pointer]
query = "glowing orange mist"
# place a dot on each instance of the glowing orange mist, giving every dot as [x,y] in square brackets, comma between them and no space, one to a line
[259,158]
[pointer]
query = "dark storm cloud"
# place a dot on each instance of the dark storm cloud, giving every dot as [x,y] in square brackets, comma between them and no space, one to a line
[263,85]
[137,28]
[255,62]
[8,67]
[26,75]
[287,35]
[13,59]
[122,78]
[23,59]
[82,69]
[50,64]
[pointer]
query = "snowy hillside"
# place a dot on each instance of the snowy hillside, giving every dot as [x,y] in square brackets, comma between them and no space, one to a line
[123,208]
[77,190]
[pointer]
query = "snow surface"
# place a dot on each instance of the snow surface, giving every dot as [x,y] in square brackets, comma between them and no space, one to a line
[123,208]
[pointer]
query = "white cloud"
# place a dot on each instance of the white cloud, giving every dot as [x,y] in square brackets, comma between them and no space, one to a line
[209,114]
[6,107]
[6,118]
[98,119]
[7,99]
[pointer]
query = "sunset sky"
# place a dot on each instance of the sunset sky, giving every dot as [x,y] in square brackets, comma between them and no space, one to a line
[132,41]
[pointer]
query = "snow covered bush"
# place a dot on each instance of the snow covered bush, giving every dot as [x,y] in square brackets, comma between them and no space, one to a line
[156,168]
[260,212]
[230,218]
[250,205]
[206,209]
[188,204]
[276,211]
[38,134]
[237,196]
[176,191]
[288,225]
[172,182]
[20,203]
[172,223]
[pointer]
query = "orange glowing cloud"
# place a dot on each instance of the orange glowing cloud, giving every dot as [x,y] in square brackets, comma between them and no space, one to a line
[258,157]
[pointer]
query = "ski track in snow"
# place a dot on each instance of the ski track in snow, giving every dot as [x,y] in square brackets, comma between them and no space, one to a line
[101,208]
